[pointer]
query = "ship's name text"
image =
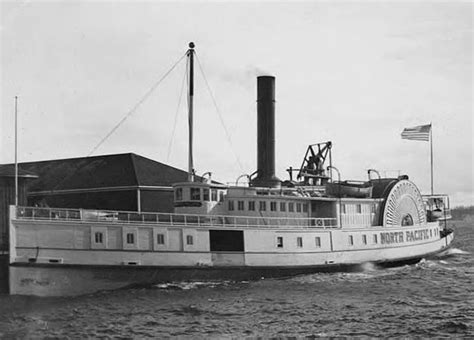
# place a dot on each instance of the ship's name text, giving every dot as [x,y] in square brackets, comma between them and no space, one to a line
[400,237]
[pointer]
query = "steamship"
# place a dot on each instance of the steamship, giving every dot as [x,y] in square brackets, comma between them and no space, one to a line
[265,227]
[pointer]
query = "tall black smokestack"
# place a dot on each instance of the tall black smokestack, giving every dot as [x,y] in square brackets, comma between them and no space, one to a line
[266,133]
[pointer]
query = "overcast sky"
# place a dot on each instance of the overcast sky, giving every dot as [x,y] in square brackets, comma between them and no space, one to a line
[355,73]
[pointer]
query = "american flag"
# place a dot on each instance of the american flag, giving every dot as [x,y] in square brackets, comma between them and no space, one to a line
[421,132]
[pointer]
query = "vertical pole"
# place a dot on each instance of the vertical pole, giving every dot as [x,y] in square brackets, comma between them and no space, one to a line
[431,152]
[190,111]
[16,151]
[139,200]
[330,163]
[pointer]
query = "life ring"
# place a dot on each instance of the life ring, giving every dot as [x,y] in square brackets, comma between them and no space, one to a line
[319,222]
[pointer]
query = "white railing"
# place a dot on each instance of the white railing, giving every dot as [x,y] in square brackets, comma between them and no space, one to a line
[127,217]
[437,207]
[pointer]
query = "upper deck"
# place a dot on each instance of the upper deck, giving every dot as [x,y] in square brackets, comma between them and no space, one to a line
[168,219]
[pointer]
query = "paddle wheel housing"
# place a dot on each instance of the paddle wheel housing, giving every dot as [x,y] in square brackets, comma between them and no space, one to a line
[403,205]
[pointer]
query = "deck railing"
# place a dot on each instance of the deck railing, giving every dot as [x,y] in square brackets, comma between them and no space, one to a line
[127,217]
[437,207]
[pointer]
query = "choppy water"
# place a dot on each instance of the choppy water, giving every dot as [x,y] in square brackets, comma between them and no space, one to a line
[434,298]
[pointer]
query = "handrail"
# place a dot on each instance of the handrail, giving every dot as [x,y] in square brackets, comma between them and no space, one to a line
[127,217]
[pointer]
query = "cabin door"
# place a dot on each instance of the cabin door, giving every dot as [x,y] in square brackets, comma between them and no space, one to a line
[227,247]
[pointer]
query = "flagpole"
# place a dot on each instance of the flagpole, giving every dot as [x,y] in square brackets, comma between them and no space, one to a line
[16,151]
[431,151]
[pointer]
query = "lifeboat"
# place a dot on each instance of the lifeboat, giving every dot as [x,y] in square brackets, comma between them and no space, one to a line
[355,189]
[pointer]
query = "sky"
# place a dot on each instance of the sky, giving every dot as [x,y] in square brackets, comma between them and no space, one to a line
[355,73]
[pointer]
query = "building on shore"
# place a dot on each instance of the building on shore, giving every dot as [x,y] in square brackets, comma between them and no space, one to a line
[126,182]
[7,197]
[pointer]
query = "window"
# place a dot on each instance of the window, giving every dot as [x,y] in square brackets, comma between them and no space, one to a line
[262,205]
[375,238]
[205,194]
[160,238]
[372,208]
[298,207]
[407,220]
[178,194]
[252,205]
[343,208]
[213,195]
[189,240]
[240,205]
[221,196]
[231,205]
[305,207]
[195,194]
[351,240]
[273,206]
[130,238]
[364,239]
[99,237]
[291,207]
[359,209]
[431,233]
[299,242]
[317,241]
[282,206]
[279,242]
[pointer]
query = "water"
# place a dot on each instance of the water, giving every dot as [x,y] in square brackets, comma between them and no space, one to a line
[434,298]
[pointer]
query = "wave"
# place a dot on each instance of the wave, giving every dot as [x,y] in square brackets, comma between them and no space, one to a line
[426,263]
[454,251]
[368,267]
[451,252]
[192,285]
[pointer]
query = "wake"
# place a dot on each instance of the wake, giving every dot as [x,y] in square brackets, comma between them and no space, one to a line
[452,252]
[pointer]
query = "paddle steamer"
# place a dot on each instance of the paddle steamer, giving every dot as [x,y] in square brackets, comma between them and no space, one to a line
[263,228]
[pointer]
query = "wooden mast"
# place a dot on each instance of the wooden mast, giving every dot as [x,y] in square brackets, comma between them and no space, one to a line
[190,55]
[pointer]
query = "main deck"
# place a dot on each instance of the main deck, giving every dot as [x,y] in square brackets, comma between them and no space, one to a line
[70,251]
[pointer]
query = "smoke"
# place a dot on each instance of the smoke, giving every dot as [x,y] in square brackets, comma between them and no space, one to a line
[254,71]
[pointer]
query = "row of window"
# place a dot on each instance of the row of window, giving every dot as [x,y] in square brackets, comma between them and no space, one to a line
[160,239]
[130,238]
[262,206]
[299,242]
[364,239]
[358,208]
[196,194]
[375,238]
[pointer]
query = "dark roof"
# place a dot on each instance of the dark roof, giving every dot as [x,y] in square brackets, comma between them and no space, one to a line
[149,172]
[8,170]
[101,171]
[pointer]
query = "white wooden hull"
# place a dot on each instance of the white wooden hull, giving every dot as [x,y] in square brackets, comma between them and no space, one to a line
[51,258]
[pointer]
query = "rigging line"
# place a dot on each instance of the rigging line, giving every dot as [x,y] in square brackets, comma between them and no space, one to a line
[72,172]
[176,115]
[136,106]
[220,115]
